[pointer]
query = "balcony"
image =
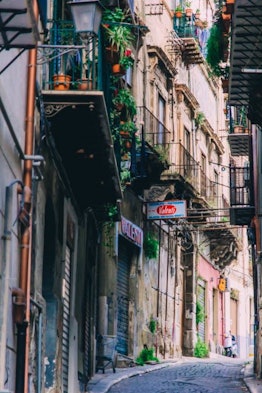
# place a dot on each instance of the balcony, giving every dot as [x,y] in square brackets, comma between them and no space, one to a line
[239,138]
[78,115]
[194,38]
[190,179]
[241,196]
[149,157]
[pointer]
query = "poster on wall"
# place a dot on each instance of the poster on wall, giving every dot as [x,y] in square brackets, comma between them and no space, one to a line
[166,210]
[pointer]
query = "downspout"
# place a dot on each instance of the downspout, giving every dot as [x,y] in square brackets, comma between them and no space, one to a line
[22,365]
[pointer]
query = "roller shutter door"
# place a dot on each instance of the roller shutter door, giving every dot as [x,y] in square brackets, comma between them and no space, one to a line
[123,273]
[201,295]
[66,319]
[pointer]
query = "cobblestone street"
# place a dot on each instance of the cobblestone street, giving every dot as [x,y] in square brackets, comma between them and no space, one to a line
[197,376]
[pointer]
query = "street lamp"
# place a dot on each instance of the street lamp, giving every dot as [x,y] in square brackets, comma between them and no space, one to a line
[86,15]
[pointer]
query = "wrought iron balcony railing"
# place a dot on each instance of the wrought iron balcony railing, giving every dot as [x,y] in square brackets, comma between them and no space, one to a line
[176,159]
[155,132]
[194,35]
[185,166]
[241,188]
[68,62]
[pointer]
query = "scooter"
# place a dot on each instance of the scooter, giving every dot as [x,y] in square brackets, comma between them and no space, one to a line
[230,346]
[234,347]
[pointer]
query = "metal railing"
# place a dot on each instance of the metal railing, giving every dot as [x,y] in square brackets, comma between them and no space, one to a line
[192,27]
[155,132]
[66,54]
[241,190]
[180,162]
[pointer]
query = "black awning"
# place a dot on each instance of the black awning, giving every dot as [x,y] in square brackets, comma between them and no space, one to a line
[246,57]
[79,125]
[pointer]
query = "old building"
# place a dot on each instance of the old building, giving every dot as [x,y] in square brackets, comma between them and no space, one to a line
[116,187]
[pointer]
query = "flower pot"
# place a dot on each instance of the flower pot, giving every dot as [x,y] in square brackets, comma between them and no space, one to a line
[61,82]
[178,14]
[118,70]
[124,134]
[189,12]
[238,129]
[84,84]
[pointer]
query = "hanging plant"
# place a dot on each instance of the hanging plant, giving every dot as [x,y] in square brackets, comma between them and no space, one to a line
[215,49]
[151,246]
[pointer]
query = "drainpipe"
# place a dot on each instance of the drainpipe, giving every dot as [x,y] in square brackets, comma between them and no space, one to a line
[22,364]
[5,273]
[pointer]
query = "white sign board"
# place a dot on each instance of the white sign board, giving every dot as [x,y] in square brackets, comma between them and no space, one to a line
[166,210]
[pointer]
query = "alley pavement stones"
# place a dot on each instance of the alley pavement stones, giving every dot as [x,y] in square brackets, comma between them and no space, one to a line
[102,382]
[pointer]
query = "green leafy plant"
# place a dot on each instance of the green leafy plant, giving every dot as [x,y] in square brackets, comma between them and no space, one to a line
[118,32]
[201,349]
[111,212]
[128,127]
[146,355]
[200,117]
[125,176]
[179,8]
[163,153]
[126,62]
[125,97]
[214,49]
[200,315]
[151,246]
[152,325]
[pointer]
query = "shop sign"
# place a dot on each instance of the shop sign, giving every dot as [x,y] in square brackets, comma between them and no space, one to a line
[166,210]
[131,232]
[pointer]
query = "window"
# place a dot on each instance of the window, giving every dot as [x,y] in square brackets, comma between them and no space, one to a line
[203,162]
[161,118]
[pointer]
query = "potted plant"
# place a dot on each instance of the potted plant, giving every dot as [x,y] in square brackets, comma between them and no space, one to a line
[197,14]
[118,34]
[179,11]
[127,60]
[124,101]
[127,129]
[62,35]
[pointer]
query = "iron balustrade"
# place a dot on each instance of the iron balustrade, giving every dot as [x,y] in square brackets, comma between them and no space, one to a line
[155,132]
[68,54]
[192,27]
[241,193]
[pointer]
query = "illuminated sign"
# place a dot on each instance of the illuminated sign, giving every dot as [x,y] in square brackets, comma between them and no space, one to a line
[166,210]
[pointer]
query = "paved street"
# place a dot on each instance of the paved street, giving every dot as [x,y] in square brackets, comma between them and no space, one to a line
[195,376]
